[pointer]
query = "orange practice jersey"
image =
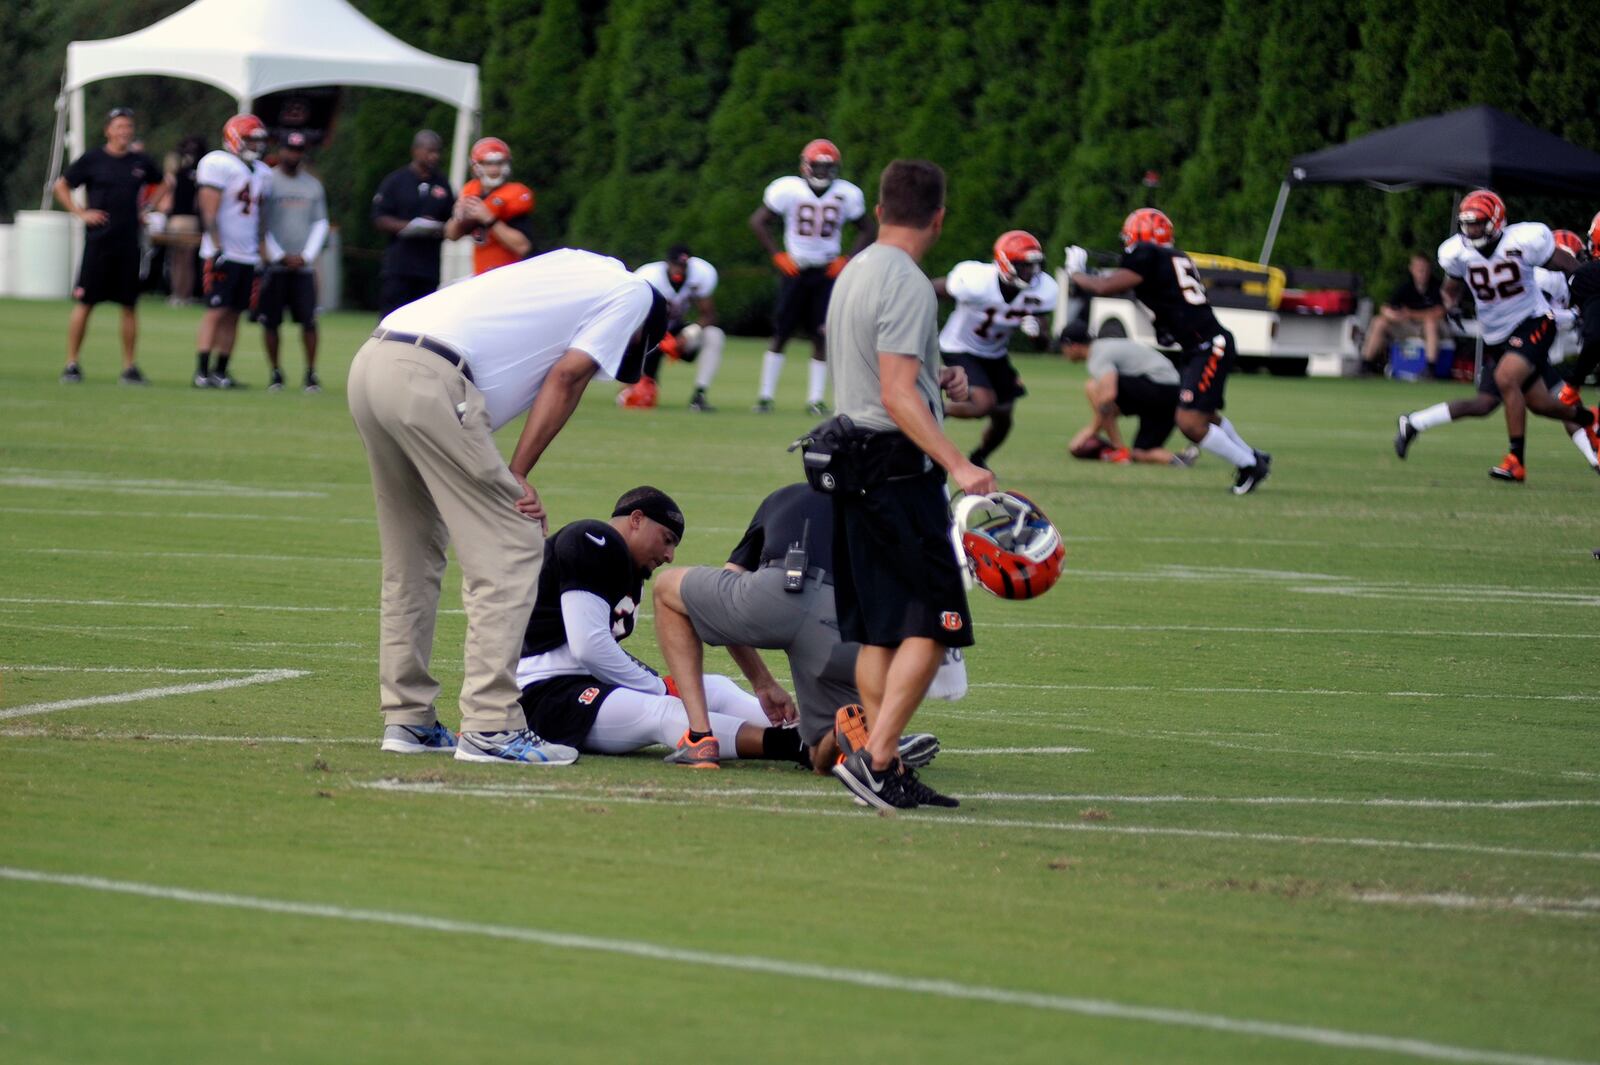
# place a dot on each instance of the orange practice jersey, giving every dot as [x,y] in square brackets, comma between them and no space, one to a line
[509,201]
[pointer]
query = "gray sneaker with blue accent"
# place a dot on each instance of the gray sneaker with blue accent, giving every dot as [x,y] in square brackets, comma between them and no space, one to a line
[523,746]
[418,739]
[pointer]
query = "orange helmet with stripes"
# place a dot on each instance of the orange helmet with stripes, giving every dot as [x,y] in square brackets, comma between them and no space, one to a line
[491,162]
[819,163]
[1019,256]
[1594,236]
[245,137]
[1146,226]
[1483,211]
[1566,238]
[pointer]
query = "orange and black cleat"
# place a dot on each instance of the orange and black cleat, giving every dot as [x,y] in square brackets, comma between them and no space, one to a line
[696,754]
[1510,469]
[850,729]
[1569,395]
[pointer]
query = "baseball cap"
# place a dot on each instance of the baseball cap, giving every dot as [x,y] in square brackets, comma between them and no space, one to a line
[119,112]
[294,139]
[1076,332]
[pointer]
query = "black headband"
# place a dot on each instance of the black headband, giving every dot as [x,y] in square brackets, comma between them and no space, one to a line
[657,506]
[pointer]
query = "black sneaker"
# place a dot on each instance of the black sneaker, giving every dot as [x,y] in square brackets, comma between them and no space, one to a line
[880,788]
[699,402]
[312,384]
[132,376]
[223,381]
[276,382]
[72,375]
[202,380]
[763,406]
[1404,434]
[917,749]
[818,409]
[922,795]
[1249,478]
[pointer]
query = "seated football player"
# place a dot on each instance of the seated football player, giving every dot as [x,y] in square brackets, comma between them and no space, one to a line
[993,300]
[581,689]
[1126,378]
[686,282]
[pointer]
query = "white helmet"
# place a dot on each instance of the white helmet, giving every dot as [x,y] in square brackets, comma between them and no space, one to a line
[1007,544]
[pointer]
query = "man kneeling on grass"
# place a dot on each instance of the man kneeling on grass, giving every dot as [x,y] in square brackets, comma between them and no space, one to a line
[580,688]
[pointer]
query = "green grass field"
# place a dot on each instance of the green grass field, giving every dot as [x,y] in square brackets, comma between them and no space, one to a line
[1306,776]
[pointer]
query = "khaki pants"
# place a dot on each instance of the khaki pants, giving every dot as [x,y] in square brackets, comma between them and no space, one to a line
[438,477]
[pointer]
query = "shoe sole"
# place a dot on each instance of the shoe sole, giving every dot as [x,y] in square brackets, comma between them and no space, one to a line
[462,756]
[920,753]
[402,747]
[853,735]
[860,790]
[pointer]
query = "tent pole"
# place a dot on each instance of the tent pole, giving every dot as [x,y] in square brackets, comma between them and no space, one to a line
[57,142]
[1272,230]
[459,147]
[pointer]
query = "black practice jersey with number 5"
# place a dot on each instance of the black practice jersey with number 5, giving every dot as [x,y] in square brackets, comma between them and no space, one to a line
[1173,293]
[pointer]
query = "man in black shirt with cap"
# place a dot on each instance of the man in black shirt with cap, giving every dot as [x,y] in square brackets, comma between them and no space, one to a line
[113,177]
[411,206]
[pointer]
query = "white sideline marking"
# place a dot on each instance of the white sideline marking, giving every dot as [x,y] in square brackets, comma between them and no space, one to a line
[178,737]
[264,677]
[866,978]
[119,669]
[96,552]
[157,604]
[997,822]
[1454,595]
[1587,907]
[15,478]
[75,512]
[1236,690]
[1280,630]
[1016,750]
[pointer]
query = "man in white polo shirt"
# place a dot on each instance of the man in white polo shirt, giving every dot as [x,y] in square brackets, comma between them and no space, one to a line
[427,391]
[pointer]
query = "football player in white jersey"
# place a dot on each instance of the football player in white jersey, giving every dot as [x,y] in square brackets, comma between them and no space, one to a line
[233,182]
[993,300]
[814,208]
[1497,262]
[686,282]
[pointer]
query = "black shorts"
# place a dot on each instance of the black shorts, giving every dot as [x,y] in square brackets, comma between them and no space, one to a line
[397,291]
[1205,373]
[997,375]
[230,284]
[109,273]
[1153,403]
[802,303]
[1531,340]
[294,289]
[563,709]
[895,569]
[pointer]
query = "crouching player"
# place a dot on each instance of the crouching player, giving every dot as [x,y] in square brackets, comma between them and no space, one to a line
[686,282]
[580,688]
[1126,378]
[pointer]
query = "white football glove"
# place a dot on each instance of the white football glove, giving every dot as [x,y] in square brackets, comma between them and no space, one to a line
[1029,326]
[1077,260]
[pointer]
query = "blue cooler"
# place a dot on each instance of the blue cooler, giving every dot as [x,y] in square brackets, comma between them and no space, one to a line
[1408,359]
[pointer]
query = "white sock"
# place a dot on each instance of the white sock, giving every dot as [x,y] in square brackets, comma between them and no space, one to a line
[819,382]
[710,356]
[1233,434]
[1581,439]
[771,368]
[1428,417]
[1220,444]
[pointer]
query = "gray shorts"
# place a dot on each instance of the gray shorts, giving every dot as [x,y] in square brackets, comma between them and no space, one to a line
[752,609]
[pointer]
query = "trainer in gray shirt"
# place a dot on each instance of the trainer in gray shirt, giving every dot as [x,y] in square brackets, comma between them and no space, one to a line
[883,302]
[297,217]
[1130,359]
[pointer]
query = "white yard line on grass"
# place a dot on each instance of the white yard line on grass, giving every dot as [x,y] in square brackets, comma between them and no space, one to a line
[161,515]
[1550,907]
[264,677]
[182,737]
[159,604]
[647,797]
[99,484]
[96,552]
[1283,630]
[863,978]
[1241,690]
[30,668]
[1017,750]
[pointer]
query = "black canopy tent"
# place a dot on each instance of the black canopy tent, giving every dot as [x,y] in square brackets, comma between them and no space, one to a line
[1477,147]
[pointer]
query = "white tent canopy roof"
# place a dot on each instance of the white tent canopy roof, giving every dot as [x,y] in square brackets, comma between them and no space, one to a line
[249,48]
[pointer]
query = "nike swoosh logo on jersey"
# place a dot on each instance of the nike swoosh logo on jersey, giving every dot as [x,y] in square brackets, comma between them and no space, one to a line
[598,541]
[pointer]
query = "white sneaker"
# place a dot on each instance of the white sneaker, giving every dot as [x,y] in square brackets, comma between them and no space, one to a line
[519,745]
[418,739]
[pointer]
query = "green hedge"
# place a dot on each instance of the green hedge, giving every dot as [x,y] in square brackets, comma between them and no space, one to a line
[644,122]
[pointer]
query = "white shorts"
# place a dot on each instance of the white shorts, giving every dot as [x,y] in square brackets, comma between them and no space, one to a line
[629,720]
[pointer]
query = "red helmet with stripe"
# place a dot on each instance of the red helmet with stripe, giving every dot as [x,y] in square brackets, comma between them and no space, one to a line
[245,137]
[819,163]
[1008,545]
[1566,238]
[1483,211]
[1019,256]
[491,162]
[1146,226]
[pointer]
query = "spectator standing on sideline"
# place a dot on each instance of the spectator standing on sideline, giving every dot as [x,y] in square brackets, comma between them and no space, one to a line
[427,391]
[1415,306]
[496,212]
[297,228]
[412,206]
[899,592]
[233,182]
[182,236]
[113,176]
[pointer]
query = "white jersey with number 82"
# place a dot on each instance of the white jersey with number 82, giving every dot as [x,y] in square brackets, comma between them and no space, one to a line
[1503,283]
[811,223]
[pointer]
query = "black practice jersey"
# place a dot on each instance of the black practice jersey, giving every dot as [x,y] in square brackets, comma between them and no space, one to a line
[586,556]
[781,520]
[114,183]
[1172,291]
[1583,289]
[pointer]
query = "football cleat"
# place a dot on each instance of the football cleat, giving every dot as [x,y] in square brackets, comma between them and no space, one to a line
[763,406]
[818,408]
[132,376]
[1510,469]
[1146,226]
[1569,395]
[696,754]
[72,375]
[1404,433]
[202,380]
[699,402]
[312,383]
[1481,217]
[418,739]
[1249,478]
[1019,257]
[641,395]
[275,383]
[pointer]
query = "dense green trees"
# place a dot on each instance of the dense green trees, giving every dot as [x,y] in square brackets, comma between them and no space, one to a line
[643,122]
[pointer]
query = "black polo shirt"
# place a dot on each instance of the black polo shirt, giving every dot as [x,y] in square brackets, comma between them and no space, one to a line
[406,196]
[113,183]
[1406,295]
[781,520]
